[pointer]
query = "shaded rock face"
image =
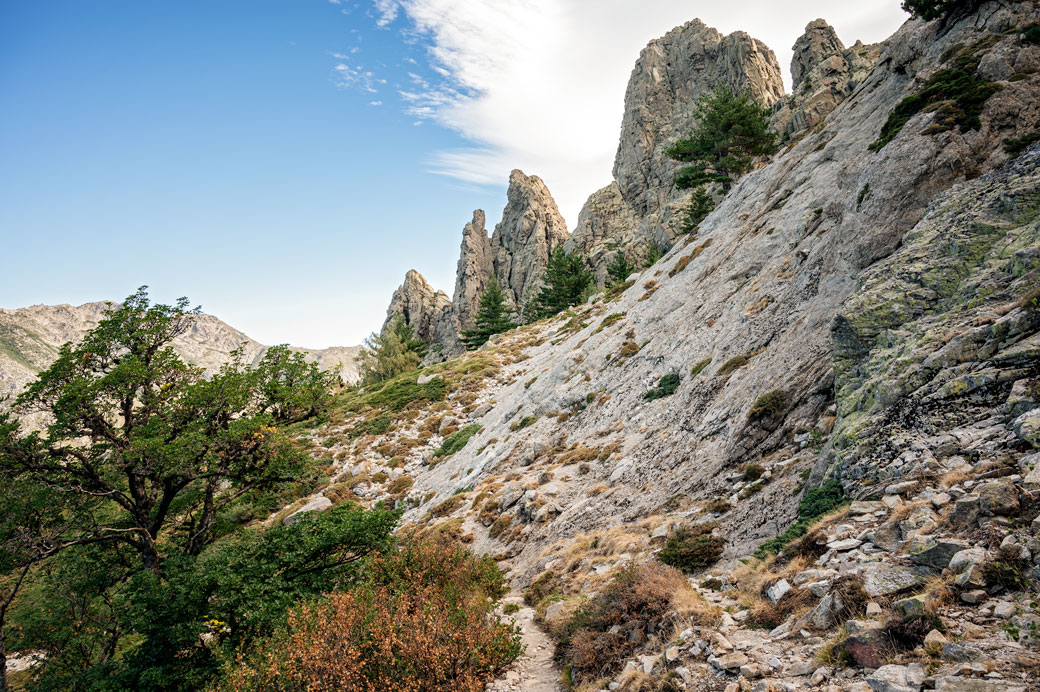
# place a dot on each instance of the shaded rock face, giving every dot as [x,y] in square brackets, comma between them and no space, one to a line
[642,206]
[823,74]
[476,262]
[940,330]
[420,305]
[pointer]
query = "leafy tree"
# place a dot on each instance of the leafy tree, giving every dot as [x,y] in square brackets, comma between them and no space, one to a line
[934,9]
[564,283]
[291,388]
[697,209]
[619,268]
[731,131]
[493,316]
[391,353]
[240,590]
[154,449]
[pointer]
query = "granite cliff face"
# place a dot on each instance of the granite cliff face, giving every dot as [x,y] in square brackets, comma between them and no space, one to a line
[642,207]
[419,304]
[30,338]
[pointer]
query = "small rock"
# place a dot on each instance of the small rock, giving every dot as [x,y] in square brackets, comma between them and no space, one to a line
[941,500]
[1004,610]
[936,553]
[965,559]
[820,674]
[960,653]
[965,511]
[844,545]
[913,605]
[900,488]
[777,591]
[873,609]
[729,662]
[998,498]
[935,638]
[974,596]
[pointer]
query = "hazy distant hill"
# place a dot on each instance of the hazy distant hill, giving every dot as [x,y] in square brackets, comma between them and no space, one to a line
[30,339]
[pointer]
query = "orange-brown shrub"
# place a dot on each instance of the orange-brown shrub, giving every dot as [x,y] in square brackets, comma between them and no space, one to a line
[424,623]
[611,626]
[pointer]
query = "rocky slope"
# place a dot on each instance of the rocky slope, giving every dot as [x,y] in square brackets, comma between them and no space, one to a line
[30,338]
[866,316]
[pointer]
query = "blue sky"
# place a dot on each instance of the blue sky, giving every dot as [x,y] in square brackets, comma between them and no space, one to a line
[284,162]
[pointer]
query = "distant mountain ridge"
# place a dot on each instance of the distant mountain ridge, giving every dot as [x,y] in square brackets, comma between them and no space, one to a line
[30,338]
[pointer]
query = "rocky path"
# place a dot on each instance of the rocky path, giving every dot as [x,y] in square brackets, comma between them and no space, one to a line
[536,671]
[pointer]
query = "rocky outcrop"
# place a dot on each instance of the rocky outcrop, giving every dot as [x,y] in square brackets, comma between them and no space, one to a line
[946,326]
[642,207]
[530,229]
[517,252]
[823,74]
[420,305]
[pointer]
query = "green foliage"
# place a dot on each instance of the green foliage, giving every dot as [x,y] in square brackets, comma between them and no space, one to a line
[956,94]
[815,503]
[293,389]
[666,386]
[240,590]
[493,316]
[653,254]
[457,440]
[565,283]
[391,353]
[619,268]
[864,192]
[699,367]
[770,404]
[400,392]
[1013,146]
[697,209]
[691,548]
[523,423]
[1032,34]
[934,9]
[752,472]
[734,363]
[732,130]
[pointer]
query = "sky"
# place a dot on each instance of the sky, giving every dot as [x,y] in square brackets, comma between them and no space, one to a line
[283,163]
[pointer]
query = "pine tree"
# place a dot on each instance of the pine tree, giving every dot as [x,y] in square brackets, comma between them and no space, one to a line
[564,283]
[732,130]
[700,205]
[391,353]
[619,268]
[934,9]
[493,316]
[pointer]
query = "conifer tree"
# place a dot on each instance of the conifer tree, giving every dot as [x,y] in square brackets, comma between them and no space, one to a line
[731,131]
[564,283]
[619,268]
[391,353]
[493,316]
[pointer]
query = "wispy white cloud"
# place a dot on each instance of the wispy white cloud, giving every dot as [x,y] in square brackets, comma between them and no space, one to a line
[539,84]
[357,77]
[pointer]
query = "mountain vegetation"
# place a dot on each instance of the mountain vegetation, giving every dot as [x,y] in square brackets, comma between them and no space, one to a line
[493,316]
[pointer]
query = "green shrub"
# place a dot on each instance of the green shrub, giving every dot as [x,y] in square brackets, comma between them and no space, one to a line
[734,363]
[666,386]
[1015,146]
[699,367]
[523,423]
[752,472]
[458,440]
[955,93]
[1032,34]
[697,209]
[397,393]
[374,426]
[692,547]
[815,503]
[768,405]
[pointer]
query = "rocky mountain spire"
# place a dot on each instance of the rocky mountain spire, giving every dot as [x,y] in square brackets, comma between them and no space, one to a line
[476,262]
[641,207]
[420,305]
[823,72]
[530,229]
